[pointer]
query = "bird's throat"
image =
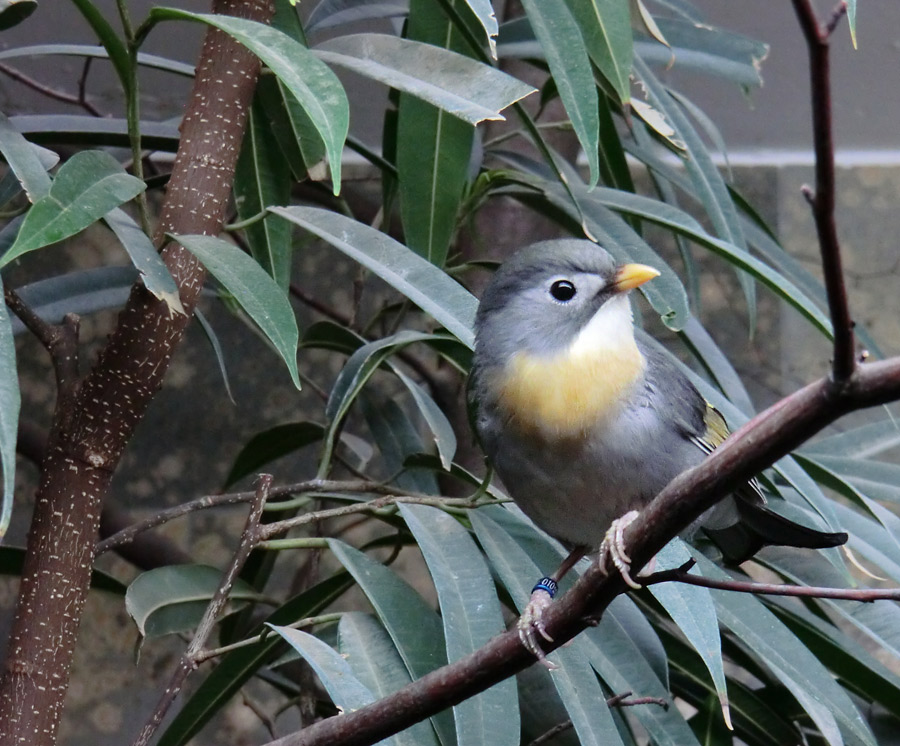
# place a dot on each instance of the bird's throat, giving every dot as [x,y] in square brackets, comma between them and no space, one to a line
[572,392]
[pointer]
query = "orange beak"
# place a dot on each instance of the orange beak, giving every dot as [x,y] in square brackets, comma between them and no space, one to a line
[630,276]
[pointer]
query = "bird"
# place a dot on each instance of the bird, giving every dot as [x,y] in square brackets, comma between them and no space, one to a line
[585,421]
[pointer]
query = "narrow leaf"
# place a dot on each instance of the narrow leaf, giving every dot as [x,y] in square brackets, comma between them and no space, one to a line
[413,626]
[144,256]
[606,27]
[574,681]
[796,667]
[471,615]
[23,160]
[560,38]
[424,284]
[695,615]
[254,290]
[345,690]
[262,179]
[172,599]
[271,444]
[86,187]
[861,442]
[461,86]
[375,662]
[330,13]
[234,669]
[316,88]
[10,402]
[433,149]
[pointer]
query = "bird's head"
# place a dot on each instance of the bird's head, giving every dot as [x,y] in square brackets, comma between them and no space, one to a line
[555,330]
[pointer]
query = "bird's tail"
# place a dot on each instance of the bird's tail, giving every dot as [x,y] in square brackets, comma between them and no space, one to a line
[759,526]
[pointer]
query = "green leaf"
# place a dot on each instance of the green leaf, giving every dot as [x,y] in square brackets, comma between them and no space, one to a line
[345,690]
[172,599]
[560,38]
[861,442]
[699,47]
[85,131]
[375,662]
[708,184]
[397,439]
[448,302]
[299,142]
[851,18]
[796,667]
[254,290]
[154,273]
[82,292]
[271,444]
[671,217]
[10,402]
[484,12]
[413,626]
[576,684]
[433,150]
[695,615]
[318,90]
[262,179]
[471,615]
[440,426]
[95,52]
[13,12]
[235,668]
[23,159]
[461,86]
[330,13]
[86,187]
[606,29]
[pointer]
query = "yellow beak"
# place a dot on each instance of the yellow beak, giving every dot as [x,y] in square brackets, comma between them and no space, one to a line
[630,276]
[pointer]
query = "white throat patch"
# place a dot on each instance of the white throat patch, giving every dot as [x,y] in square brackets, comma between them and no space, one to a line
[610,329]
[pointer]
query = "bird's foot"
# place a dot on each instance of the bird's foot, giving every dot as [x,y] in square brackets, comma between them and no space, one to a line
[613,548]
[532,620]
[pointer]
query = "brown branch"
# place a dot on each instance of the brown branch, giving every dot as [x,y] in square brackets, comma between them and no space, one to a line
[763,440]
[823,201]
[236,498]
[248,541]
[681,575]
[92,428]
[49,92]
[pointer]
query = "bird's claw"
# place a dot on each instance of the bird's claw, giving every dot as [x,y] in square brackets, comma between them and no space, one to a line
[531,620]
[613,548]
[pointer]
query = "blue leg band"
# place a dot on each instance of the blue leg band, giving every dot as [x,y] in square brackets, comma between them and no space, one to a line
[546,584]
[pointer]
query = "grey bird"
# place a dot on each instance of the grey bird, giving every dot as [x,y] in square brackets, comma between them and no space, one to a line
[585,422]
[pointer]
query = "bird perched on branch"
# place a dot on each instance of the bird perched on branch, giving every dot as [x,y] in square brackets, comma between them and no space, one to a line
[586,423]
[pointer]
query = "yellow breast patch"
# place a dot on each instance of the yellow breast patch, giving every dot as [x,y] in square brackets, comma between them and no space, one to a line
[566,394]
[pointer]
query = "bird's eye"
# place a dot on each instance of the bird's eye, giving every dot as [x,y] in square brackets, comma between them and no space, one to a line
[563,290]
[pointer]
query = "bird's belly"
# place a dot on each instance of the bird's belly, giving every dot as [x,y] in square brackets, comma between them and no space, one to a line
[574,488]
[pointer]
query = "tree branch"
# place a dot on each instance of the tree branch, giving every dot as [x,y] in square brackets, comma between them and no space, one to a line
[681,575]
[763,440]
[823,201]
[249,539]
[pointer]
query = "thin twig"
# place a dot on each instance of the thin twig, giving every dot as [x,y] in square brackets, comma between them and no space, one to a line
[313,621]
[47,91]
[390,497]
[617,700]
[680,575]
[60,341]
[823,201]
[249,539]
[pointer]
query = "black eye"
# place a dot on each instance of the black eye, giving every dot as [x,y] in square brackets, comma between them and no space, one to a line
[562,290]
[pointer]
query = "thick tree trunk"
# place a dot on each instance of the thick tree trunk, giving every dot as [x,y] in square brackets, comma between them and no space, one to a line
[95,421]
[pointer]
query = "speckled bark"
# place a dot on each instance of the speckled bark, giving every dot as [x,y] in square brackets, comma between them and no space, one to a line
[94,424]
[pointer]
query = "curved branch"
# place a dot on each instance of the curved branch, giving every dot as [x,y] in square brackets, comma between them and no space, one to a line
[763,440]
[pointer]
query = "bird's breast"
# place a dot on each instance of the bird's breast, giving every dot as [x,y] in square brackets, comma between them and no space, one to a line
[568,394]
